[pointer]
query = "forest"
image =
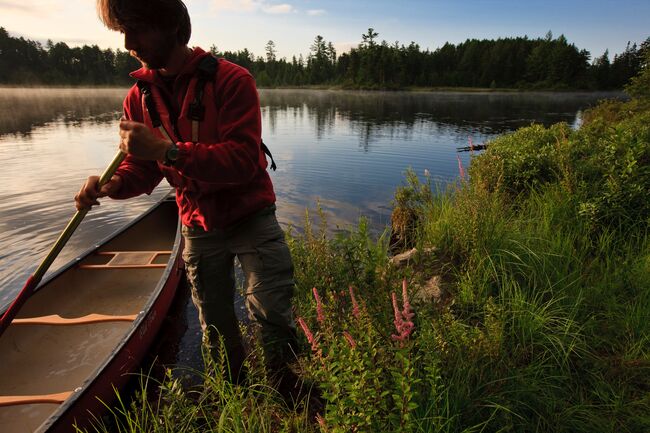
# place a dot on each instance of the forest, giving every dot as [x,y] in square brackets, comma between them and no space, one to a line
[549,63]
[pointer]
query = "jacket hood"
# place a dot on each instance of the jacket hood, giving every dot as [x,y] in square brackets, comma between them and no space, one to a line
[152,75]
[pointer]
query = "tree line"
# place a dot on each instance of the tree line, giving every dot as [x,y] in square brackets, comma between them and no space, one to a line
[521,62]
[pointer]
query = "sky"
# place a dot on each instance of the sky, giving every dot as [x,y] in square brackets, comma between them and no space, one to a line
[594,25]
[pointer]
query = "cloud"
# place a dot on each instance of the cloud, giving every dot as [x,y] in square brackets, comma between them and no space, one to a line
[316,12]
[283,8]
[252,6]
[17,9]
[15,6]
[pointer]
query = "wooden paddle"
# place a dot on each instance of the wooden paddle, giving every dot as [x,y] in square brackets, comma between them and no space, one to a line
[35,278]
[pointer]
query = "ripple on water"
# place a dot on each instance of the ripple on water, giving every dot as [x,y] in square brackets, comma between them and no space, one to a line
[347,149]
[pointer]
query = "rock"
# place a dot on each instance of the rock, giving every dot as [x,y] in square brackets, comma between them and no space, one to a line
[431,290]
[403,258]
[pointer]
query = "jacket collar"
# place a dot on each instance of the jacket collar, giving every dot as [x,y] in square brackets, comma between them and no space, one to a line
[152,75]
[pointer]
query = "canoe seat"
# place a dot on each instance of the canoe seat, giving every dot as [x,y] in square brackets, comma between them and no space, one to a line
[130,260]
[55,319]
[13,400]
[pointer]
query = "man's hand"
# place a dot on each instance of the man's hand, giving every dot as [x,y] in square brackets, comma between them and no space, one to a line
[89,193]
[137,139]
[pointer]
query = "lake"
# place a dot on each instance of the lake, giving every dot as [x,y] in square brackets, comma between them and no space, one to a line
[346,151]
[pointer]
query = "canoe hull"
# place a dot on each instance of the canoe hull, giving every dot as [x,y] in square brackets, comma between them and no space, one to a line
[131,278]
[92,399]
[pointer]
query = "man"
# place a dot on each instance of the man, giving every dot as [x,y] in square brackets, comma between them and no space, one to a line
[218,167]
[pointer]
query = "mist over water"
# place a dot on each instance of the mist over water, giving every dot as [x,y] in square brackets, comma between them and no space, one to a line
[347,151]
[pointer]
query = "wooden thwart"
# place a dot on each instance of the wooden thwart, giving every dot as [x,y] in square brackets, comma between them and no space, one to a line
[130,260]
[55,319]
[13,400]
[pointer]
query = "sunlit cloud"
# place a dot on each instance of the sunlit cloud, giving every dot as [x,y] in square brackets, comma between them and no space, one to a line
[316,12]
[252,6]
[35,8]
[15,6]
[283,8]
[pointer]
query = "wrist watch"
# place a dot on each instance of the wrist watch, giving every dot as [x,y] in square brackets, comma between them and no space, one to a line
[171,155]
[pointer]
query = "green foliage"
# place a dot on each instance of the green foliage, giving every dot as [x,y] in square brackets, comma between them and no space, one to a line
[525,159]
[542,63]
[166,405]
[545,332]
[409,206]
[605,166]
[370,383]
[27,62]
[614,179]
[639,86]
[544,329]
[333,264]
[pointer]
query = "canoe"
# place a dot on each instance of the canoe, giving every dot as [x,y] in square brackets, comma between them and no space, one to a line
[89,325]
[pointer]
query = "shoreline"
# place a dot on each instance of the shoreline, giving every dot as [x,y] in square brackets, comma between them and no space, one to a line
[339,88]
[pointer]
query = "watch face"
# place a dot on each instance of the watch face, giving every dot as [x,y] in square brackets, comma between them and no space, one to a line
[172,153]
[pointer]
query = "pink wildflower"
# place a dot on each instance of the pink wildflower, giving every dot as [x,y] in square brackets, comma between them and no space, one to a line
[403,323]
[351,341]
[471,146]
[321,422]
[460,168]
[310,336]
[406,310]
[319,306]
[398,316]
[355,306]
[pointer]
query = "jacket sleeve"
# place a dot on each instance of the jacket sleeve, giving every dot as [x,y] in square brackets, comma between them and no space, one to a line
[138,176]
[236,159]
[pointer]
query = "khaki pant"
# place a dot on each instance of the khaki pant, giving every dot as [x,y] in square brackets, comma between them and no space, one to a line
[259,244]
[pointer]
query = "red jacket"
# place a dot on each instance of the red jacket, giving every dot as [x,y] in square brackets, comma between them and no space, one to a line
[220,179]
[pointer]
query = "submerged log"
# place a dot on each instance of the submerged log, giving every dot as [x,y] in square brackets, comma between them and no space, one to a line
[472,148]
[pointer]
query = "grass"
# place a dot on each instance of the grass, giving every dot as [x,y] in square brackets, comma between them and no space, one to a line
[540,323]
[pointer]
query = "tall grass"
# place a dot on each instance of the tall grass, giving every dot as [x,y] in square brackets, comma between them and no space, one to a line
[544,321]
[216,405]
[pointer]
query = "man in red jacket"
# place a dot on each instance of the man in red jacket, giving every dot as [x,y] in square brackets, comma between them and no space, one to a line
[217,165]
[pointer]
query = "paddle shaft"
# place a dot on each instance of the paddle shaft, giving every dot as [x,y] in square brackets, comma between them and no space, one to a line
[33,280]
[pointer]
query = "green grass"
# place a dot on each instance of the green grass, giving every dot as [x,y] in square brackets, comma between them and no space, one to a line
[543,259]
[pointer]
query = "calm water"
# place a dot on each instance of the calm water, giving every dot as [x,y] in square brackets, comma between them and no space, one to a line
[346,150]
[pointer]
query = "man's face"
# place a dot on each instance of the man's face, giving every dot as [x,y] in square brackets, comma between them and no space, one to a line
[151,47]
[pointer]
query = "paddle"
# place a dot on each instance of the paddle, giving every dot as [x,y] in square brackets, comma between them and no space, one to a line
[35,278]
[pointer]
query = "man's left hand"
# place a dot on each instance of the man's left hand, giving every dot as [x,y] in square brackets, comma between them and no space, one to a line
[137,139]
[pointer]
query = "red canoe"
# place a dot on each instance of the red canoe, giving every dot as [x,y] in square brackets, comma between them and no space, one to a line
[88,326]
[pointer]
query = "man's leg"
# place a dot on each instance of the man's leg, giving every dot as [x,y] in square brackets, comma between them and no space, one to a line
[210,273]
[266,261]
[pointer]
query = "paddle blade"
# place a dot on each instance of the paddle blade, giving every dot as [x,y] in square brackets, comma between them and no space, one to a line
[15,306]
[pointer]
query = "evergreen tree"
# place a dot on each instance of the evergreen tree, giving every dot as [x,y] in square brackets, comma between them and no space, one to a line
[509,62]
[270,51]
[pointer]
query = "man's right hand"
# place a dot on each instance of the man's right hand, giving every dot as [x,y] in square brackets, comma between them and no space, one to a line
[89,193]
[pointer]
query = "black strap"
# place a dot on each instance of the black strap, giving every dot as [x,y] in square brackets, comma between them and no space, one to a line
[206,71]
[268,152]
[145,91]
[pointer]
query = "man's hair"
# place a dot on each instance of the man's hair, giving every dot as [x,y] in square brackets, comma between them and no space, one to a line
[165,15]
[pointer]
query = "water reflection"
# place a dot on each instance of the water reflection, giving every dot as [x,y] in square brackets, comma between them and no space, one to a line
[345,150]
[350,149]
[23,109]
[374,112]
[71,134]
